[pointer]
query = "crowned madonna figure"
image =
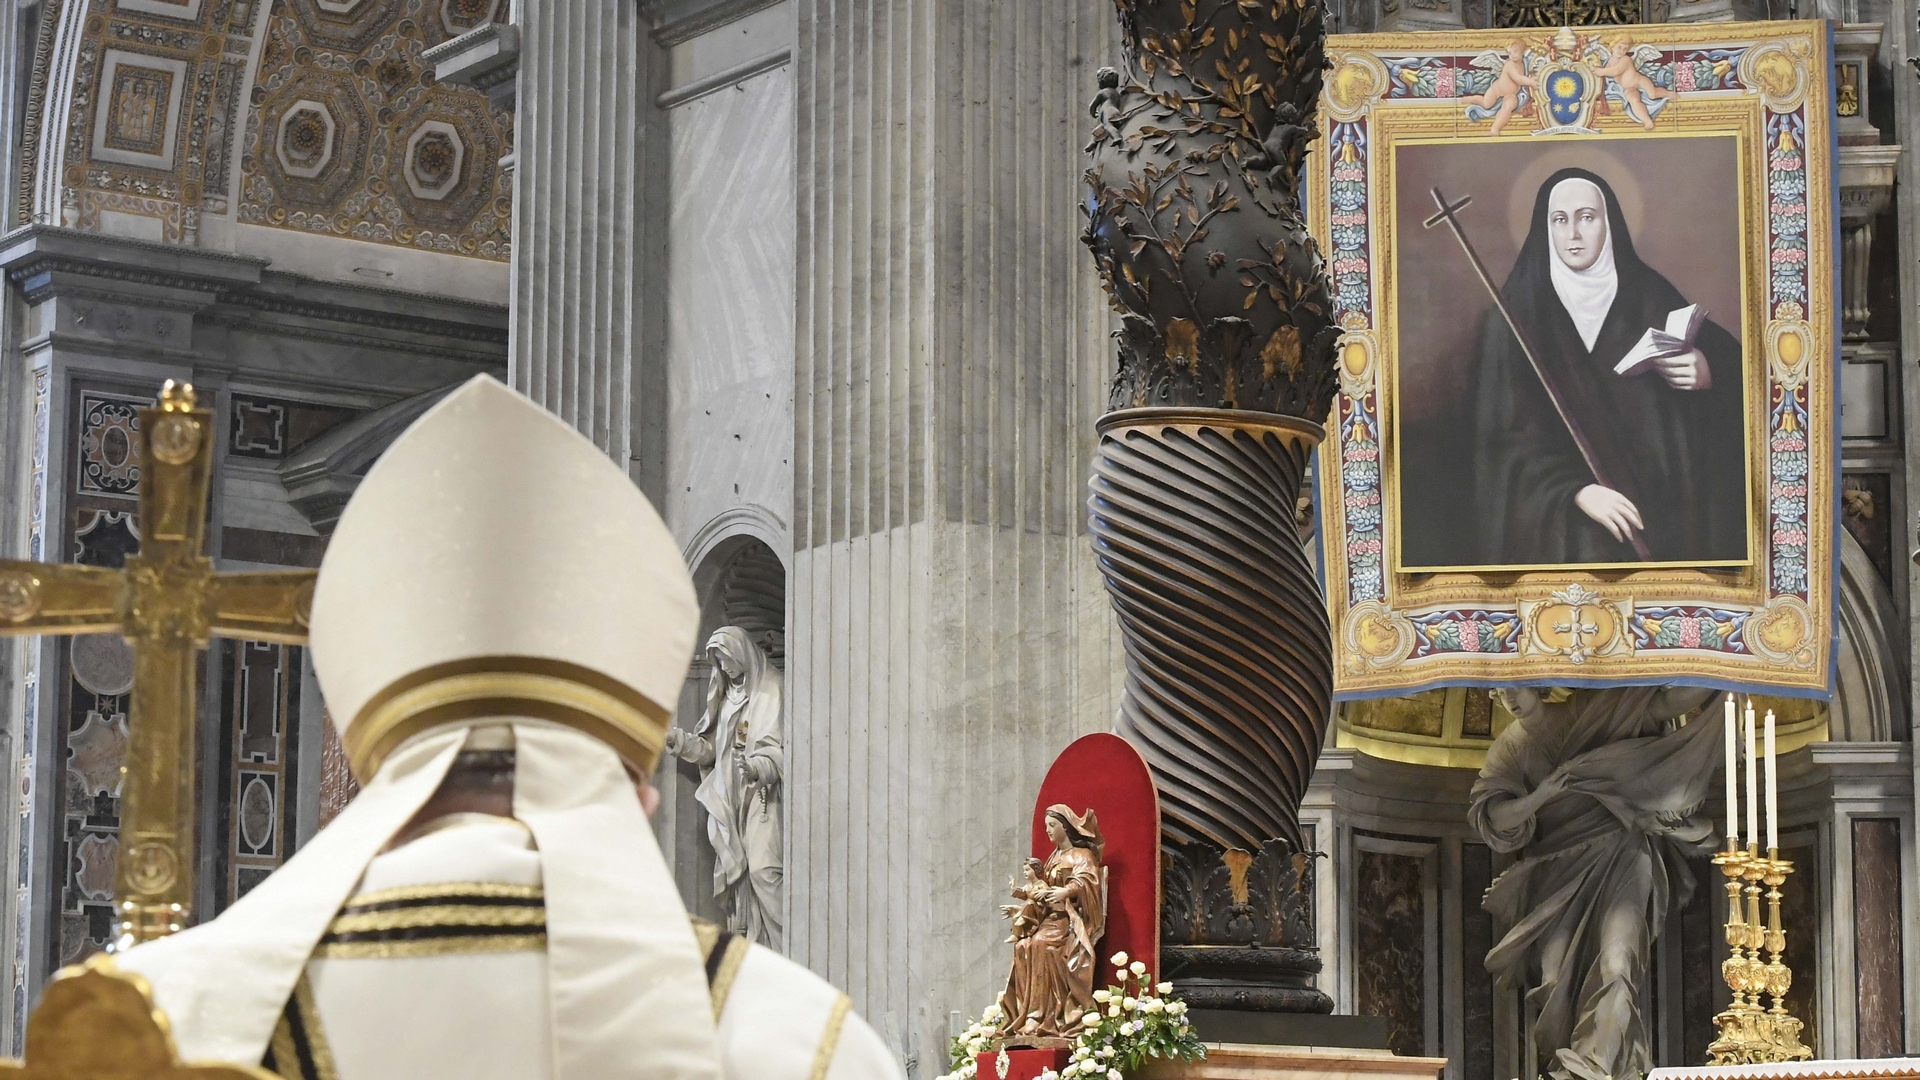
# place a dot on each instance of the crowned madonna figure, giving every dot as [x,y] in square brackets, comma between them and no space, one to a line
[1056,929]
[493,906]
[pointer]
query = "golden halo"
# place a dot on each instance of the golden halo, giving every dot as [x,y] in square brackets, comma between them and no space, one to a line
[1588,154]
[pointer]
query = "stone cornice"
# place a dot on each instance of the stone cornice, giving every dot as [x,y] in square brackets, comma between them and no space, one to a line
[24,249]
[47,261]
[1866,180]
[682,21]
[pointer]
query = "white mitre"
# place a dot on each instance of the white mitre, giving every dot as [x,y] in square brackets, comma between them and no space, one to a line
[495,570]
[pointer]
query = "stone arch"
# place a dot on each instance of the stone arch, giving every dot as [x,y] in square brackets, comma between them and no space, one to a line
[739,564]
[1870,695]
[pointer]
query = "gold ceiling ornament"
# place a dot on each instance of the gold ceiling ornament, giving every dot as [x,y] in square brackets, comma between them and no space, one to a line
[169,604]
[99,1023]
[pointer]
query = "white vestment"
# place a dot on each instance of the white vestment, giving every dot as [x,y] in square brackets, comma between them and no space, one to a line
[777,1020]
[436,966]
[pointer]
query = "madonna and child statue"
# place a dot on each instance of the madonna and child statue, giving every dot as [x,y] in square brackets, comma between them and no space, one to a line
[1057,926]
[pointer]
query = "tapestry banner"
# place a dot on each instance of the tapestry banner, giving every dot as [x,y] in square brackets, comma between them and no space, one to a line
[1587,427]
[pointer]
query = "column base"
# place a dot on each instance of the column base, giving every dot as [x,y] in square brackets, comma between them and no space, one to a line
[1246,978]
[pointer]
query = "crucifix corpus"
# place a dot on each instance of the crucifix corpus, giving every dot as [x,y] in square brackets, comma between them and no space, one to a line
[169,604]
[1448,213]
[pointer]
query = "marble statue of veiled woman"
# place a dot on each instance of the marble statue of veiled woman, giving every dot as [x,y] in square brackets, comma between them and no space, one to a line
[739,744]
[1599,795]
[1056,929]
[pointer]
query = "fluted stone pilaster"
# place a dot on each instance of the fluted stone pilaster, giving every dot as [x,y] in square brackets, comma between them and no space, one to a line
[948,634]
[577,301]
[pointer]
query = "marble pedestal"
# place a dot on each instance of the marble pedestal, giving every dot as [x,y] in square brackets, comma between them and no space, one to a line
[1241,1061]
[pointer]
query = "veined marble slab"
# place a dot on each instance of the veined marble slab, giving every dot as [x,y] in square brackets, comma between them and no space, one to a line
[1242,1061]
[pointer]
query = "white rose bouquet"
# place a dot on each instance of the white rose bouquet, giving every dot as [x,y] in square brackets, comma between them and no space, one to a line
[1130,1023]
[965,1048]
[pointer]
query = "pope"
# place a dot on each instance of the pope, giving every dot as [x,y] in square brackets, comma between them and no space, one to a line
[501,627]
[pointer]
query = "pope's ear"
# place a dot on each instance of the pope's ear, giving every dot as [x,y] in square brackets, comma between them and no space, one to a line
[643,787]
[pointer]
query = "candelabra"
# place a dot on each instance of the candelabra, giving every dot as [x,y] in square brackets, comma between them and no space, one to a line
[1749,1034]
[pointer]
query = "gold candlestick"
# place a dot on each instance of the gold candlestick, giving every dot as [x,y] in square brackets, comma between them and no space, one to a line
[1750,1035]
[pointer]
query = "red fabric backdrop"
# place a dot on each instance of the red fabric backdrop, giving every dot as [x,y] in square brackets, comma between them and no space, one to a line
[1021,1064]
[1106,773]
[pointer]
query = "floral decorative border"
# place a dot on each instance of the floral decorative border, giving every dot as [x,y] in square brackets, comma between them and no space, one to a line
[1770,627]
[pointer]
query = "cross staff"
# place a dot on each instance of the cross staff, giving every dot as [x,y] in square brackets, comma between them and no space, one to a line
[1447,214]
[169,604]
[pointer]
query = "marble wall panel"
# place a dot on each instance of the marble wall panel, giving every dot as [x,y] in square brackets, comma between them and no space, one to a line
[1390,918]
[1477,939]
[103,528]
[258,766]
[1881,1015]
[730,297]
[1800,907]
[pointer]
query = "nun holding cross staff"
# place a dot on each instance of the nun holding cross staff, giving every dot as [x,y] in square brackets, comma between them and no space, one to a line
[1580,455]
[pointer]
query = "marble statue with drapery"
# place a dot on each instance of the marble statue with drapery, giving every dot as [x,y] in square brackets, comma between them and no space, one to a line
[739,746]
[1600,797]
[1056,929]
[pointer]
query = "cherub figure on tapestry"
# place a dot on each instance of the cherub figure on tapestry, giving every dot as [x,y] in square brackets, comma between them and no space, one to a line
[1509,92]
[1636,93]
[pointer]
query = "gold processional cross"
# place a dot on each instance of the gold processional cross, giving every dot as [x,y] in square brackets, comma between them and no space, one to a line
[169,604]
[95,1022]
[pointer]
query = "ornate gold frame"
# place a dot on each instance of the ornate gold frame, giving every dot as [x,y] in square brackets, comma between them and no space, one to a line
[1763,634]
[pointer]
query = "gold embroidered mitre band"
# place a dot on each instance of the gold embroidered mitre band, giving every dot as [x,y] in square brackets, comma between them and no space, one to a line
[493,686]
[494,564]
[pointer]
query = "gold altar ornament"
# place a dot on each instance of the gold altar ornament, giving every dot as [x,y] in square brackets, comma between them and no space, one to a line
[169,604]
[98,1023]
[1750,1035]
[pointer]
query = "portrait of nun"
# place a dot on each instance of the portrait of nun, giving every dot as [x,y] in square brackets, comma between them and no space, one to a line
[1667,438]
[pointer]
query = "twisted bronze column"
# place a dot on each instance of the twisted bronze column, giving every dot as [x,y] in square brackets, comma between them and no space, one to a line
[1229,669]
[1225,376]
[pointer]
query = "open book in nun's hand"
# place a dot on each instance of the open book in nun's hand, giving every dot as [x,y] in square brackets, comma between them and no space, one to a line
[1658,344]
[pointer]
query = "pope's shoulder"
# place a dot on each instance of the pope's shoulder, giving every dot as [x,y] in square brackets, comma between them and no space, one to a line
[778,1019]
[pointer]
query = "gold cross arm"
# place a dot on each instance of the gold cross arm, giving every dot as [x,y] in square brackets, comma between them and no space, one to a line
[169,604]
[58,598]
[271,605]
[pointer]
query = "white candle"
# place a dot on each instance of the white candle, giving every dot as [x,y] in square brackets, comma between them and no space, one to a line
[1733,780]
[1753,782]
[1773,791]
